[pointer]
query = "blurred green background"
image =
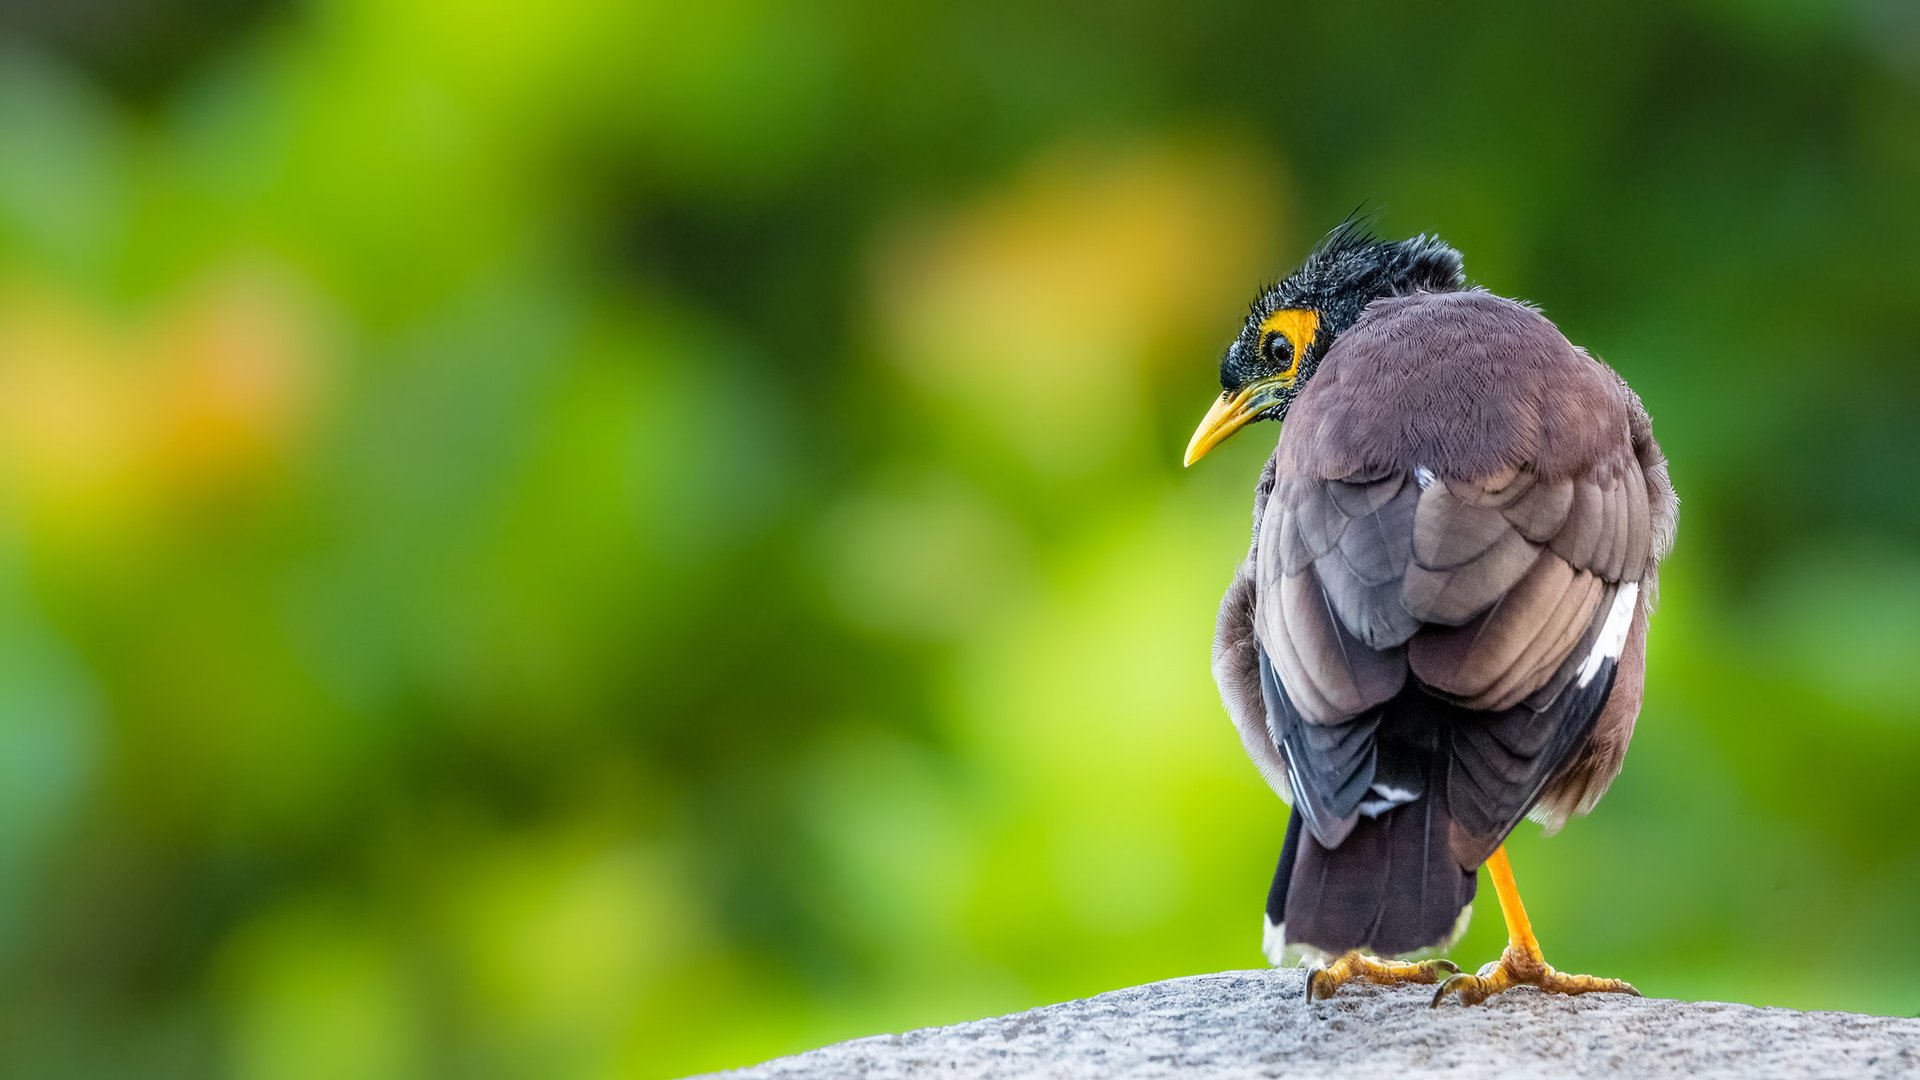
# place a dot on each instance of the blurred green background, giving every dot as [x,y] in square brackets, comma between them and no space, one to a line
[591,540]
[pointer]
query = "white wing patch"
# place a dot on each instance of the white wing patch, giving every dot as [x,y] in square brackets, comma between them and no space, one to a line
[1390,797]
[1613,634]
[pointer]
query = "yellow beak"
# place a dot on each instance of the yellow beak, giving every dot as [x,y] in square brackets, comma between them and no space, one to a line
[1234,410]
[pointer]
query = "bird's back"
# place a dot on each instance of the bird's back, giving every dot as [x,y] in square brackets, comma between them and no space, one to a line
[1439,626]
[1474,380]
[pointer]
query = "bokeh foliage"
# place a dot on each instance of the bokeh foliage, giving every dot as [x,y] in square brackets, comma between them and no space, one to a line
[588,539]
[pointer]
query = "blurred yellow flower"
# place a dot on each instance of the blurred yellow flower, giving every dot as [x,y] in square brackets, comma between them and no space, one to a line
[107,422]
[1033,312]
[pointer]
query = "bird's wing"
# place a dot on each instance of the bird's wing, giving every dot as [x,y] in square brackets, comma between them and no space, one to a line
[1507,597]
[1526,634]
[1328,565]
[1578,785]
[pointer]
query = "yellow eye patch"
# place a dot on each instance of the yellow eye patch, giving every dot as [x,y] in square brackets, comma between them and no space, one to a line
[1297,325]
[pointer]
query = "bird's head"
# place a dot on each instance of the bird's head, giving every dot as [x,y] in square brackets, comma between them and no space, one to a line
[1293,324]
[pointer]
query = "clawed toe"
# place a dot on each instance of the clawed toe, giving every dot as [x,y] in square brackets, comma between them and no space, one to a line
[1522,967]
[1323,982]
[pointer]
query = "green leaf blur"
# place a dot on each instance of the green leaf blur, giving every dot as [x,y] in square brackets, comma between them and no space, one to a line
[595,540]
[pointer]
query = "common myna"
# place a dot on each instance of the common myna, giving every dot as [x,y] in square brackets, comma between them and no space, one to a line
[1440,627]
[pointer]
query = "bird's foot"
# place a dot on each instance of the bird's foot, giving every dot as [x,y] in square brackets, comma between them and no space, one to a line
[1519,966]
[1323,982]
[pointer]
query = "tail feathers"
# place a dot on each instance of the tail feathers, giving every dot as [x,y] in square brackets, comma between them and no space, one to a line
[1273,938]
[1392,887]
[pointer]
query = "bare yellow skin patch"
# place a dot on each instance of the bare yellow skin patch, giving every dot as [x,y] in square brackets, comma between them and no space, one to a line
[1237,408]
[1299,325]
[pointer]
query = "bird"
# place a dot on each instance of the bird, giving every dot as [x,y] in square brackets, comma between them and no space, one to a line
[1439,628]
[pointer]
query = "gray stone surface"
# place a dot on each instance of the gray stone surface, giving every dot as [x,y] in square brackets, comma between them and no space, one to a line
[1255,1023]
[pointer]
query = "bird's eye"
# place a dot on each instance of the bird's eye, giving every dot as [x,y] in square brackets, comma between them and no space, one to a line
[1279,352]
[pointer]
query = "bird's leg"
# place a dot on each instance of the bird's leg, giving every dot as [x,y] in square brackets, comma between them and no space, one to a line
[1521,964]
[1323,981]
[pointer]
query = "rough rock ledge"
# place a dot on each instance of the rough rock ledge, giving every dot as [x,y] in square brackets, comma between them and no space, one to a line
[1255,1023]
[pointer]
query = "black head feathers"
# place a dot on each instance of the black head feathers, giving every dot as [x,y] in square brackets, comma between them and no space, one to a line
[1302,315]
[1351,268]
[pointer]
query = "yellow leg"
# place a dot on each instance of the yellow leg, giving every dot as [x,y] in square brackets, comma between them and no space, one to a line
[1323,981]
[1522,963]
